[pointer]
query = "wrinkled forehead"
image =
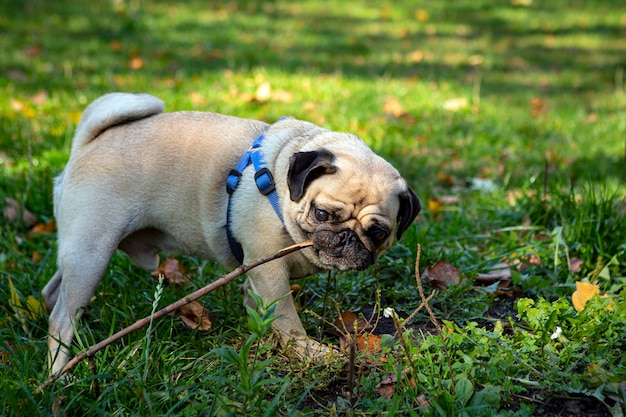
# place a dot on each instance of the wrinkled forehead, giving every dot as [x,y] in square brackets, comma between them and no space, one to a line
[357,193]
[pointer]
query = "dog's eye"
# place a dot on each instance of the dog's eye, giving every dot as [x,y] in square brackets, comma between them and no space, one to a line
[321,215]
[378,234]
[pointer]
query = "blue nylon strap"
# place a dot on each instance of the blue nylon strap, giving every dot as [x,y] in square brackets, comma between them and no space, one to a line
[264,182]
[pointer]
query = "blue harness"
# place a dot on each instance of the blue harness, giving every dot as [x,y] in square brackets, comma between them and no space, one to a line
[264,182]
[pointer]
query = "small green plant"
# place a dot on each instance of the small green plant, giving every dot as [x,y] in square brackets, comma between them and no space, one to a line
[244,383]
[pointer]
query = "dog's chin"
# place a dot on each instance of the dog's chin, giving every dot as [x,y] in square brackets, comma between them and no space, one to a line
[342,251]
[328,261]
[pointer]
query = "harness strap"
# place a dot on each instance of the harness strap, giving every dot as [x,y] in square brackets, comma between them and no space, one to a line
[264,182]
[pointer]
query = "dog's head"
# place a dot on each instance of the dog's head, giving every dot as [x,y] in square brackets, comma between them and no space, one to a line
[350,202]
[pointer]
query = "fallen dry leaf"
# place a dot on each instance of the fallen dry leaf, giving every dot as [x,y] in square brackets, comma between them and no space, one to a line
[421,15]
[5,355]
[365,342]
[31,310]
[393,107]
[415,56]
[446,179]
[195,316]
[368,343]
[575,264]
[537,106]
[387,386]
[584,292]
[12,211]
[346,322]
[136,63]
[442,274]
[198,99]
[435,206]
[43,228]
[173,272]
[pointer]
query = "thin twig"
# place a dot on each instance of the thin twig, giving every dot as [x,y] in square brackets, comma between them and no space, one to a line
[170,308]
[433,318]
[422,305]
[418,278]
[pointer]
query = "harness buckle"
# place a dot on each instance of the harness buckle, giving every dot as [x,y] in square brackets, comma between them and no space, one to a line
[264,181]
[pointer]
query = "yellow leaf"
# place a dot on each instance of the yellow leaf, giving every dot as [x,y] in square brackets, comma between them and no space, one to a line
[33,309]
[435,206]
[584,292]
[15,297]
[421,15]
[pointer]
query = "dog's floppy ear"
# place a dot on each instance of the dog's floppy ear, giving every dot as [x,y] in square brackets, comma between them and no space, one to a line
[409,208]
[304,167]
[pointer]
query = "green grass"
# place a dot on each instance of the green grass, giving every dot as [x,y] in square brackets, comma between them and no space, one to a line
[541,123]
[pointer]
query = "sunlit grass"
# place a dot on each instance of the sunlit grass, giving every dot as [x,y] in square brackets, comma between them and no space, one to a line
[528,99]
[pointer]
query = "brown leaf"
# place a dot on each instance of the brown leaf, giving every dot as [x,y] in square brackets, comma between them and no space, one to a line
[368,343]
[41,228]
[537,106]
[575,264]
[347,321]
[12,211]
[5,355]
[387,386]
[136,63]
[32,51]
[116,45]
[365,342]
[172,271]
[195,316]
[442,274]
[446,179]
[393,107]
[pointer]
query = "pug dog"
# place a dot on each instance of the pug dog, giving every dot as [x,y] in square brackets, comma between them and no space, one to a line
[219,187]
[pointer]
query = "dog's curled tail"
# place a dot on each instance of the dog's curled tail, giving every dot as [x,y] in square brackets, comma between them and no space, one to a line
[114,109]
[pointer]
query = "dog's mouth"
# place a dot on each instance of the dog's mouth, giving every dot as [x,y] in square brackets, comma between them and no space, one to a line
[343,250]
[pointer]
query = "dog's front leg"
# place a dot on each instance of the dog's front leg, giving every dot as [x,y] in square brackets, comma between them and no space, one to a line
[271,283]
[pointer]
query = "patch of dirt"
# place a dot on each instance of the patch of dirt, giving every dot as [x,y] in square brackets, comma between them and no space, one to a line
[575,406]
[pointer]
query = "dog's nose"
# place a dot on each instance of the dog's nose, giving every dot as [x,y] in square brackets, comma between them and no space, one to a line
[348,238]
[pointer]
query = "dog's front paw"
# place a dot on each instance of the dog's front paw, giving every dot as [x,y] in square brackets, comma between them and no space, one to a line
[309,349]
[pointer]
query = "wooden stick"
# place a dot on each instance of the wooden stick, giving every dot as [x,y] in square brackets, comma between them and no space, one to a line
[170,308]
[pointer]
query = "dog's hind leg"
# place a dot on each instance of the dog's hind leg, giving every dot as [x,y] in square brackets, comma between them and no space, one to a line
[83,260]
[50,292]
